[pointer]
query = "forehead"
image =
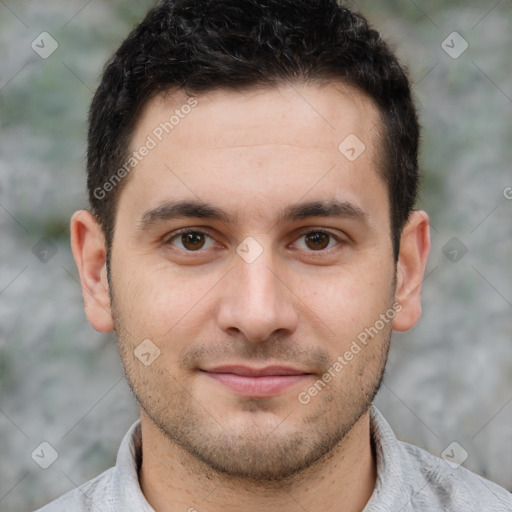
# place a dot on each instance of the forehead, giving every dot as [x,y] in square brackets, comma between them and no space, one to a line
[320,116]
[273,145]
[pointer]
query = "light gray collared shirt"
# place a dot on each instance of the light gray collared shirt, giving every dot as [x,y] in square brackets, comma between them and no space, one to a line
[408,479]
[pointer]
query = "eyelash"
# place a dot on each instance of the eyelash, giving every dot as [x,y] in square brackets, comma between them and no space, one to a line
[184,231]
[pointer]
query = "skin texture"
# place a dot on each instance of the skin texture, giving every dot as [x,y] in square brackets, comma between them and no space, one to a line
[300,303]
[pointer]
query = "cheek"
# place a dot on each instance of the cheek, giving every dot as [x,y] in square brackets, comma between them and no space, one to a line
[163,305]
[348,301]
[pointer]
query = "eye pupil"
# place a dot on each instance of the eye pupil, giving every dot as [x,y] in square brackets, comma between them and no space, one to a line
[192,241]
[320,240]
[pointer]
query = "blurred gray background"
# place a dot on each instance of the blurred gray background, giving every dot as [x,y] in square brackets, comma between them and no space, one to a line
[448,379]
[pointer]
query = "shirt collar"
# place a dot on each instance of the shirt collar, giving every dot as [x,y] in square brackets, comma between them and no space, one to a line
[389,493]
[126,478]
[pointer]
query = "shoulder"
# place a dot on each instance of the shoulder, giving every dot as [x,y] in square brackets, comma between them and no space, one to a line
[91,496]
[449,486]
[411,479]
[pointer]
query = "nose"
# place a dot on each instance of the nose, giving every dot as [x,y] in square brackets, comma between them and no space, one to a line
[257,302]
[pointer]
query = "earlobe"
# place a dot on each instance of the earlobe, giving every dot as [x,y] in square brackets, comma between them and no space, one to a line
[89,251]
[414,251]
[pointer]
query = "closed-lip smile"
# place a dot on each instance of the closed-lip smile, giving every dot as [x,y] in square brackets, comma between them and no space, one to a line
[253,382]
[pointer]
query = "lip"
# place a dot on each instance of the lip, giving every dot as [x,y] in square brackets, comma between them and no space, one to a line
[257,382]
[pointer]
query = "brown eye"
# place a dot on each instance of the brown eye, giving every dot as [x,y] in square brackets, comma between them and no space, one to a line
[192,241]
[317,240]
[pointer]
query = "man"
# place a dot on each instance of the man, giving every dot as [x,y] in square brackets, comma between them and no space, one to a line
[252,172]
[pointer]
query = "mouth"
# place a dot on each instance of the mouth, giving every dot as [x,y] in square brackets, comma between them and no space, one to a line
[257,382]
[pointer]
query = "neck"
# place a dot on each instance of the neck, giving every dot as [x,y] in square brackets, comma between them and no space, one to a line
[172,479]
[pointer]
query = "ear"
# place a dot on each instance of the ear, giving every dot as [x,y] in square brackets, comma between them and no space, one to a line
[412,260]
[89,251]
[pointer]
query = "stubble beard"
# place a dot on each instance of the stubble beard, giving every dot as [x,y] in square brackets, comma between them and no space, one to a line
[254,452]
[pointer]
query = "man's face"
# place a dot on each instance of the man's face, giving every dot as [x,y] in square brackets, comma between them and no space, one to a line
[250,310]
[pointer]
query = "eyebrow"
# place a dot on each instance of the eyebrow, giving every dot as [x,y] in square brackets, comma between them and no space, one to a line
[171,210]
